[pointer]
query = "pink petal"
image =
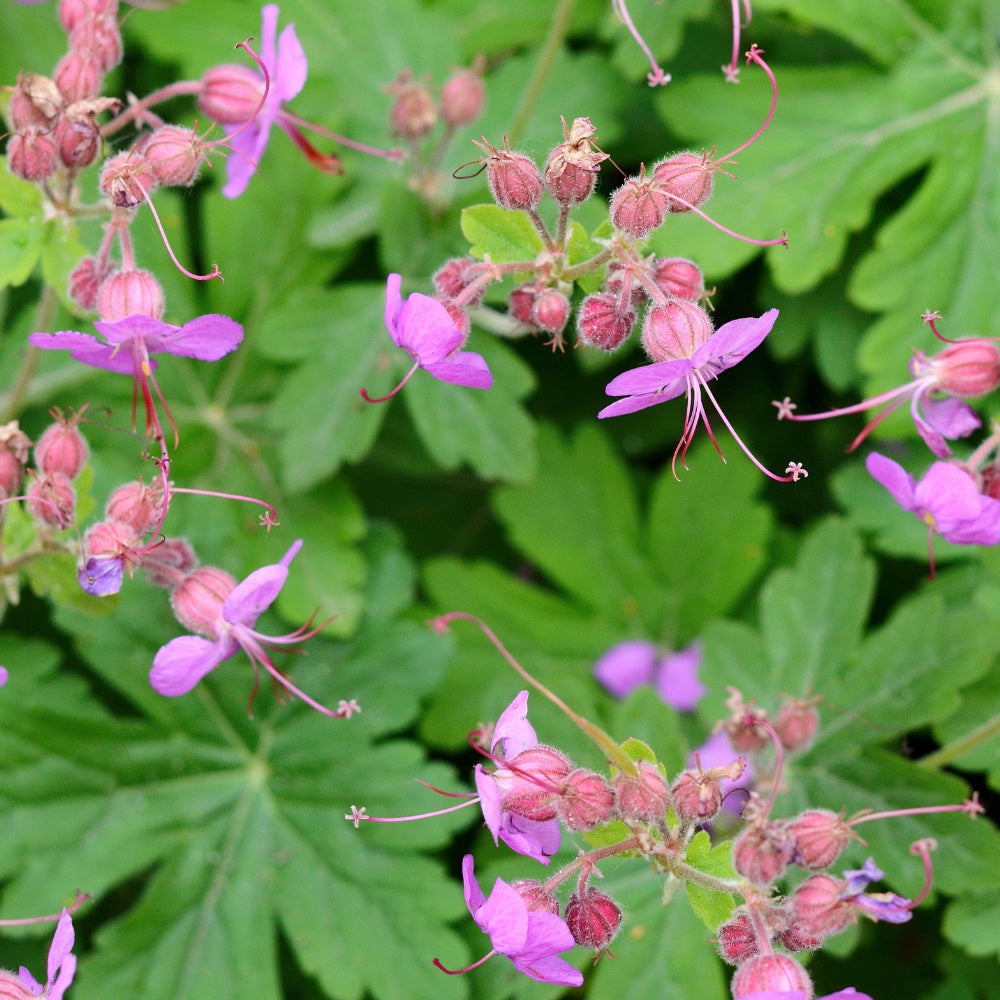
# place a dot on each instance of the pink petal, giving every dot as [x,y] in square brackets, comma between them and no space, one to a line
[247,149]
[252,596]
[734,340]
[268,32]
[512,732]
[136,327]
[677,680]
[504,916]
[948,494]
[664,376]
[292,66]
[65,979]
[182,662]
[632,404]
[206,338]
[425,330]
[393,306]
[474,897]
[62,943]
[626,666]
[465,368]
[893,477]
[87,350]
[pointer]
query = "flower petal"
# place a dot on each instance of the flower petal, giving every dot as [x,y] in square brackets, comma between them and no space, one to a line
[87,350]
[512,732]
[537,839]
[504,916]
[894,478]
[662,377]
[206,338]
[734,340]
[252,596]
[465,368]
[626,666]
[632,404]
[677,679]
[183,661]
[291,68]
[62,943]
[474,897]
[425,330]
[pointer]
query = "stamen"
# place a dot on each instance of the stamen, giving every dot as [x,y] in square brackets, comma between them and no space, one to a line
[657,77]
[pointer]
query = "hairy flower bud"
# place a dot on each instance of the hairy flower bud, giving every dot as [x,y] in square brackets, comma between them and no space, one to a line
[697,796]
[532,780]
[130,293]
[536,897]
[78,76]
[587,800]
[14,448]
[32,155]
[684,176]
[62,448]
[174,155]
[737,940]
[127,179]
[137,504]
[230,94]
[643,797]
[777,973]
[78,141]
[796,724]
[638,207]
[551,312]
[454,276]
[111,539]
[413,113]
[86,278]
[795,937]
[100,38]
[73,12]
[522,303]
[197,601]
[600,322]
[593,918]
[819,836]
[169,562]
[622,282]
[571,169]
[34,102]
[675,331]
[679,277]
[761,852]
[968,367]
[462,98]
[817,906]
[52,500]
[513,178]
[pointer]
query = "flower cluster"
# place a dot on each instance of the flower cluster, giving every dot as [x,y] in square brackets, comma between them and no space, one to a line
[529,791]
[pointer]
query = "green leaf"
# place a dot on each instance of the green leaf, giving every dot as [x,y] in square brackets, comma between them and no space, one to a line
[973,923]
[503,235]
[18,198]
[20,247]
[712,908]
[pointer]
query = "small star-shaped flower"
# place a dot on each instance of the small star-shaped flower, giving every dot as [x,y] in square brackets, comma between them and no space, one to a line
[785,407]
[356,816]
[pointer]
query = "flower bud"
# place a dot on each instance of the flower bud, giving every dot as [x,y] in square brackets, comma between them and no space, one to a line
[78,141]
[136,504]
[169,562]
[522,303]
[819,837]
[817,908]
[679,277]
[73,12]
[62,448]
[111,539]
[697,796]
[587,800]
[551,312]
[99,38]
[14,448]
[795,937]
[969,367]
[127,179]
[86,278]
[454,276]
[638,207]
[12,987]
[536,897]
[777,973]
[601,324]
[413,114]
[796,724]
[761,853]
[532,780]
[462,98]
[230,94]
[621,281]
[572,167]
[593,918]
[32,155]
[675,331]
[737,940]
[174,156]
[513,178]
[78,76]
[52,500]
[197,601]
[130,293]
[686,176]
[642,797]
[34,102]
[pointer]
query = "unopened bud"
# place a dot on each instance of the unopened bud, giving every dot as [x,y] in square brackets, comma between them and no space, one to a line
[197,601]
[817,906]
[230,94]
[52,500]
[78,76]
[62,448]
[35,102]
[130,293]
[127,179]
[642,797]
[737,940]
[522,303]
[532,780]
[969,367]
[169,562]
[587,800]
[32,155]
[462,98]
[137,504]
[638,207]
[73,12]
[593,918]
[794,937]
[454,276]
[697,796]
[174,155]
[796,724]
[684,176]
[78,141]
[14,448]
[100,38]
[551,311]
[762,852]
[600,322]
[771,973]
[85,279]
[513,178]
[679,277]
[413,113]
[536,897]
[675,331]
[819,836]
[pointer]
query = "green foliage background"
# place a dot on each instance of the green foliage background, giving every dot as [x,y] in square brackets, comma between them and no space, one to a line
[213,844]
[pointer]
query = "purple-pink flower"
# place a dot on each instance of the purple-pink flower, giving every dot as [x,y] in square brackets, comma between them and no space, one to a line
[129,343]
[630,664]
[228,621]
[4,675]
[61,963]
[532,940]
[850,993]
[538,839]
[887,906]
[946,500]
[665,380]
[423,328]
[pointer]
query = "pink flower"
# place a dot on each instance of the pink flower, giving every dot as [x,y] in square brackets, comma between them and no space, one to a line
[665,380]
[538,839]
[946,500]
[61,963]
[227,612]
[631,664]
[128,344]
[887,906]
[422,327]
[531,940]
